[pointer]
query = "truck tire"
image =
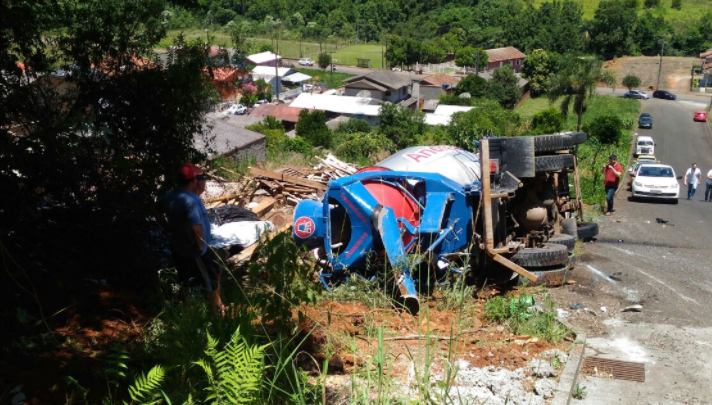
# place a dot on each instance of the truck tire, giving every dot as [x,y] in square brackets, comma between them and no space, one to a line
[549,254]
[563,239]
[587,230]
[553,163]
[551,143]
[554,276]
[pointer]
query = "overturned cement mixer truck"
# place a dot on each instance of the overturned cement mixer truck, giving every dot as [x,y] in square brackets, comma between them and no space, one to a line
[497,215]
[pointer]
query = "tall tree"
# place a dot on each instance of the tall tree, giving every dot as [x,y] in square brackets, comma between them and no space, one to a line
[538,67]
[469,56]
[576,82]
[612,27]
[503,87]
[103,140]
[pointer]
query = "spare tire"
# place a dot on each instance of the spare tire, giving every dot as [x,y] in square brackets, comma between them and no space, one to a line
[569,227]
[563,239]
[551,143]
[549,254]
[587,230]
[553,163]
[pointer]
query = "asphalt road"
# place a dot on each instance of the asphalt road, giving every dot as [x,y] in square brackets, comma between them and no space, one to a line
[665,268]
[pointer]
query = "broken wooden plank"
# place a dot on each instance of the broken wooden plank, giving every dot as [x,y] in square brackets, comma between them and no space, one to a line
[285,177]
[264,206]
[271,184]
[222,198]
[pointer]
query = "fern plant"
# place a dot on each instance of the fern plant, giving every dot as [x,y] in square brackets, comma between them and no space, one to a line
[146,389]
[235,373]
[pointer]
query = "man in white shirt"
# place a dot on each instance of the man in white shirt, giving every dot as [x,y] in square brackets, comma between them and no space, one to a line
[692,179]
[708,189]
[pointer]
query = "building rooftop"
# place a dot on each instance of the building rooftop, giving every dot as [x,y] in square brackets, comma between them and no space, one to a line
[383,78]
[438,79]
[443,114]
[504,54]
[265,71]
[280,112]
[263,57]
[338,104]
[228,133]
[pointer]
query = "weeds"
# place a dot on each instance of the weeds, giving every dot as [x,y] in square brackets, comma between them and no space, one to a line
[579,392]
[538,320]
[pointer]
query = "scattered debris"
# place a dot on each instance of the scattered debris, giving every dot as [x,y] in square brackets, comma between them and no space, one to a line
[561,313]
[493,386]
[604,309]
[590,311]
[661,221]
[545,387]
[541,368]
[575,306]
[616,276]
[633,308]
[559,354]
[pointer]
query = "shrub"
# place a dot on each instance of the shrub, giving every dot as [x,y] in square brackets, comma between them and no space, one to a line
[312,127]
[631,81]
[359,147]
[269,123]
[607,129]
[676,4]
[651,3]
[353,126]
[548,121]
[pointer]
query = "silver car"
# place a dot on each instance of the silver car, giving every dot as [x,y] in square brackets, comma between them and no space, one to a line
[639,94]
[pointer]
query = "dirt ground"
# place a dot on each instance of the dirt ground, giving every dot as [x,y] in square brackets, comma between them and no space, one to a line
[675,74]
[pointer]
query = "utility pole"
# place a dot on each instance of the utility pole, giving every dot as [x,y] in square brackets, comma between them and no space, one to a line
[660,68]
[276,66]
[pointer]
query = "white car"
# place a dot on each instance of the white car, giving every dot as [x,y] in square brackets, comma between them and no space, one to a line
[639,94]
[236,109]
[306,62]
[656,181]
[645,146]
[259,103]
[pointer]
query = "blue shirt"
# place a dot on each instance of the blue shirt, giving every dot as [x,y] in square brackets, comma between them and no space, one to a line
[184,209]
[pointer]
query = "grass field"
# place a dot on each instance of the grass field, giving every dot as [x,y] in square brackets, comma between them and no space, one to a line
[343,54]
[591,155]
[691,10]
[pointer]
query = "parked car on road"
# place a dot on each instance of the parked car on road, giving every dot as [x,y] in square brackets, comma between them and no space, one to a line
[236,109]
[645,146]
[656,181]
[701,116]
[664,94]
[645,121]
[639,94]
[306,62]
[259,103]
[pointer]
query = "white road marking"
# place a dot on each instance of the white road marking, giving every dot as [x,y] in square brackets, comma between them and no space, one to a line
[684,297]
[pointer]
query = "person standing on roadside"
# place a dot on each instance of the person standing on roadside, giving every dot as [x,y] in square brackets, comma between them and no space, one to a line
[182,213]
[692,179]
[612,175]
[708,184]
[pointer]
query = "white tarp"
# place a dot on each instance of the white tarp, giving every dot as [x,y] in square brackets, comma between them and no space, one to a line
[242,233]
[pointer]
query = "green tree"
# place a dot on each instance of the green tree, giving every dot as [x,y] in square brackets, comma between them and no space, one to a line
[611,28]
[324,60]
[631,81]
[102,143]
[488,118]
[607,129]
[473,84]
[400,125]
[576,82]
[548,121]
[651,3]
[538,67]
[504,87]
[312,127]
[676,4]
[468,56]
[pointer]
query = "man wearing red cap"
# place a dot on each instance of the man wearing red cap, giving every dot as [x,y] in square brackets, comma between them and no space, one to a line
[183,214]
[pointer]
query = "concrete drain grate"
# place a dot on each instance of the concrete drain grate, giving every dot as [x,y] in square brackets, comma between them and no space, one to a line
[617,369]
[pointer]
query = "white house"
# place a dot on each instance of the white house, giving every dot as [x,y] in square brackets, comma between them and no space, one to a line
[266,58]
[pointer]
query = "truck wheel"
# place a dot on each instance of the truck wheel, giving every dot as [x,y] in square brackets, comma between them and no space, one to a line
[555,276]
[553,163]
[563,239]
[587,230]
[549,254]
[551,143]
